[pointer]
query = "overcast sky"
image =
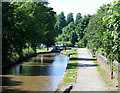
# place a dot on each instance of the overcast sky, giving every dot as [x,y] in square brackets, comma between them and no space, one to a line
[75,6]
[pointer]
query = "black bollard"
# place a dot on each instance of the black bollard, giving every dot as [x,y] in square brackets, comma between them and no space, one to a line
[67,90]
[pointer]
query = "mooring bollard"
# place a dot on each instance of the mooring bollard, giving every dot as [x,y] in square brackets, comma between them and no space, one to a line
[67,90]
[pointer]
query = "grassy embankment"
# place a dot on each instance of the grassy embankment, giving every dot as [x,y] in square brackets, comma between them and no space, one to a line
[72,67]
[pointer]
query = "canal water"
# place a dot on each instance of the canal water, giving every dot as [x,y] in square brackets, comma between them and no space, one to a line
[41,73]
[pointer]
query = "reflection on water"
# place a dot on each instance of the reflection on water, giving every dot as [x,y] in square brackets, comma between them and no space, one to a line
[41,73]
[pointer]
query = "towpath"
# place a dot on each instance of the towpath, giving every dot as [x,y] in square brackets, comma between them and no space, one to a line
[88,78]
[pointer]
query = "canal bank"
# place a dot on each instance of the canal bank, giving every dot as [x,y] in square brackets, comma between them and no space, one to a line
[27,57]
[70,74]
[62,85]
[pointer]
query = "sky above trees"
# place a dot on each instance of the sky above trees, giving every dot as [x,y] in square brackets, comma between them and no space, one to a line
[75,6]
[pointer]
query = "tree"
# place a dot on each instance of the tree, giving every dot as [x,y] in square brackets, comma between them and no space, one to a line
[113,32]
[60,23]
[95,29]
[78,18]
[68,29]
[73,38]
[29,24]
[80,28]
[70,18]
[7,31]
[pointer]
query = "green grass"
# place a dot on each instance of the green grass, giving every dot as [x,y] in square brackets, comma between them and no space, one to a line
[63,42]
[69,80]
[101,71]
[69,48]
[71,73]
[103,75]
[109,84]
[43,50]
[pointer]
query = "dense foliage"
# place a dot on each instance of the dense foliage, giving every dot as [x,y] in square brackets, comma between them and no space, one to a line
[113,24]
[78,17]
[60,23]
[103,31]
[95,29]
[25,25]
[74,30]
[69,18]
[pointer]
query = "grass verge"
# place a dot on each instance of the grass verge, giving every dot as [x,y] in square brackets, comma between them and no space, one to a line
[72,67]
[64,42]
[43,50]
[103,75]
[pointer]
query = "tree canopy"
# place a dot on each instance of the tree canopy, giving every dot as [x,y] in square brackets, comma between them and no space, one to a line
[60,23]
[28,25]
[70,18]
[103,32]
[78,18]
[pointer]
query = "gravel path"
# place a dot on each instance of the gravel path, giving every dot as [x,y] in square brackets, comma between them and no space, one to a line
[88,78]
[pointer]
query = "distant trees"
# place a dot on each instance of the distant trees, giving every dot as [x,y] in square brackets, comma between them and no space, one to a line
[70,18]
[73,37]
[74,29]
[80,28]
[78,18]
[60,23]
[25,25]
